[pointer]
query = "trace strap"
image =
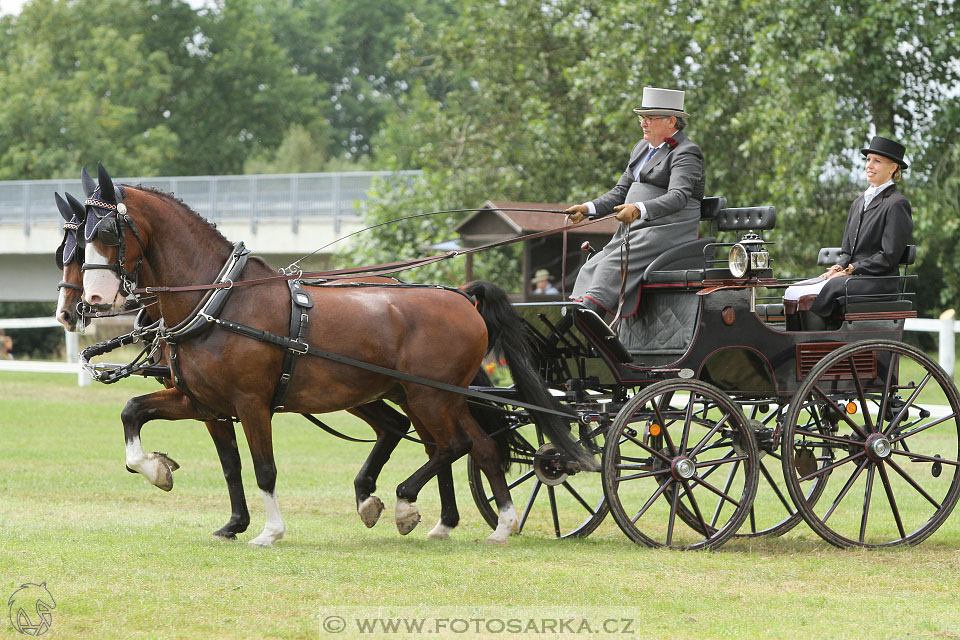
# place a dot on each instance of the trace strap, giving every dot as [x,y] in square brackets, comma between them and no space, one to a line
[303,348]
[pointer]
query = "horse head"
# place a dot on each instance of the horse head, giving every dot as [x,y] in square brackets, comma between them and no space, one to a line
[69,258]
[115,249]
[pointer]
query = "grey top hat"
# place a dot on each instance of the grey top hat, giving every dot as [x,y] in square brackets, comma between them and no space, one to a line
[661,102]
[887,148]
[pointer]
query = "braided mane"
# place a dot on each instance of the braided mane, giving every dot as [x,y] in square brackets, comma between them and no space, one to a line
[174,200]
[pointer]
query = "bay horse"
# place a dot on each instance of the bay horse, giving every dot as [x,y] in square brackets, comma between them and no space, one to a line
[434,333]
[388,424]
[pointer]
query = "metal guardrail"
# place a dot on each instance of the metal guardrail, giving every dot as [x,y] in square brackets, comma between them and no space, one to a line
[262,197]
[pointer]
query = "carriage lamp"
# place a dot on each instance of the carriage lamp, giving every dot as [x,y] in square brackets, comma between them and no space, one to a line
[748,256]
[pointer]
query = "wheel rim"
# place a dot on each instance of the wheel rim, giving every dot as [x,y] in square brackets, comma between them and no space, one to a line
[547,502]
[652,492]
[893,432]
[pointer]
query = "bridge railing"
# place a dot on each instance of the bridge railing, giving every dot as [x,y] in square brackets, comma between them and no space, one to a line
[287,197]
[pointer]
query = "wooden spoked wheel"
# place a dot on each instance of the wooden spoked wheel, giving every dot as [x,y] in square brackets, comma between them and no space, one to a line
[680,466]
[885,418]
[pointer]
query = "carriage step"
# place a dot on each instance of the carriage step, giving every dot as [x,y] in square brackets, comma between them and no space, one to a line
[593,323]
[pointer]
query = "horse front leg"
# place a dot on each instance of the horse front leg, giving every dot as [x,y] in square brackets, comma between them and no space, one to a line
[255,419]
[169,404]
[225,439]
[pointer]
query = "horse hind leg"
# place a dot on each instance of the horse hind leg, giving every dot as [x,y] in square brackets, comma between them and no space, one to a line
[434,420]
[259,433]
[487,456]
[449,515]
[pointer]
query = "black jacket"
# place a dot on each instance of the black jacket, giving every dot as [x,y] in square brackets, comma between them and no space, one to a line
[873,242]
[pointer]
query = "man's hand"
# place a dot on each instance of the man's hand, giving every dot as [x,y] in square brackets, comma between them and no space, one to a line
[627,212]
[577,213]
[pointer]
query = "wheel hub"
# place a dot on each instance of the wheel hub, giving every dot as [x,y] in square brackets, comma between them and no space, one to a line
[878,447]
[683,468]
[548,465]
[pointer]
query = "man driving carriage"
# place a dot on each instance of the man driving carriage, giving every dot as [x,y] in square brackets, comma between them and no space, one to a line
[657,199]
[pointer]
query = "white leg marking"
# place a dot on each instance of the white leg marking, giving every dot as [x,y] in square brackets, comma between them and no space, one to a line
[370,510]
[507,523]
[155,467]
[440,532]
[273,530]
[406,516]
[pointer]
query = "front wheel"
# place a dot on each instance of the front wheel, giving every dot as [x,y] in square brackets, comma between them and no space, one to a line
[886,420]
[550,499]
[680,466]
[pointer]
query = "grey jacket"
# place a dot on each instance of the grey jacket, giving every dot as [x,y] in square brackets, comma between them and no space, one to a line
[679,170]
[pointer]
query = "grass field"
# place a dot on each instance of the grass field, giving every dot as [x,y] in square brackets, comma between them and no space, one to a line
[124,560]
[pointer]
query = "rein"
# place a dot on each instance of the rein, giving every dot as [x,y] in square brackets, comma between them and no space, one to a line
[378,269]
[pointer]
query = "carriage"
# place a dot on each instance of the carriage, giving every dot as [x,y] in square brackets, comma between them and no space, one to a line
[709,416]
[715,420]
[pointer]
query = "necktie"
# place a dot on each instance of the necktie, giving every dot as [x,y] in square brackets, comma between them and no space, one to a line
[649,156]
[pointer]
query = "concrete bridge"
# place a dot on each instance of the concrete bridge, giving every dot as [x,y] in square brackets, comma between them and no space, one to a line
[279,217]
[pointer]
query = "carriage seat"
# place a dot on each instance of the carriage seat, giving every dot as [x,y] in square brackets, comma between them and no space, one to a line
[684,263]
[894,302]
[741,219]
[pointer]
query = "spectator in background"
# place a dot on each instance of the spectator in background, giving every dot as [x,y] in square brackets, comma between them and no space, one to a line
[542,283]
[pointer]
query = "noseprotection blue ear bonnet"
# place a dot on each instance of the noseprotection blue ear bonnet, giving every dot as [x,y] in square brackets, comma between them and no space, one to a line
[72,212]
[101,201]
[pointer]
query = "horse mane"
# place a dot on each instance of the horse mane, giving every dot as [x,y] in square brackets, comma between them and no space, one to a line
[175,201]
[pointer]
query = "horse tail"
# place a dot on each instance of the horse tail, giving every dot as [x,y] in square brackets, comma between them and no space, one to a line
[505,339]
[493,420]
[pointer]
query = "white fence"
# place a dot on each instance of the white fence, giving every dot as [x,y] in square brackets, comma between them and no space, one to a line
[72,365]
[946,326]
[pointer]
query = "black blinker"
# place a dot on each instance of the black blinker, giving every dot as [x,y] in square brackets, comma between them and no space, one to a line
[108,233]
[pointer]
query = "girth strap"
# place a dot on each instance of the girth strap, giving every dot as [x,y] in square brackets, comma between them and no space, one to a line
[303,348]
[300,305]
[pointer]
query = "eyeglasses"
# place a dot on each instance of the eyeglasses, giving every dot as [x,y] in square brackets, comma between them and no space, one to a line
[649,119]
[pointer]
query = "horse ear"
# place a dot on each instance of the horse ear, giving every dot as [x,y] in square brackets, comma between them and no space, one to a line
[107,194]
[89,186]
[79,211]
[65,211]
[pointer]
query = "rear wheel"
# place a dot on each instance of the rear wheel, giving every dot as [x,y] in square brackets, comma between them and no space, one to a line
[551,497]
[680,466]
[883,419]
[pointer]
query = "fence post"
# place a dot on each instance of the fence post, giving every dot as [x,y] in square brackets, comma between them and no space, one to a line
[947,341]
[72,355]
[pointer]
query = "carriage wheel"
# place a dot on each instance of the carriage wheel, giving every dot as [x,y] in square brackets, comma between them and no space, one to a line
[547,500]
[888,419]
[680,466]
[773,512]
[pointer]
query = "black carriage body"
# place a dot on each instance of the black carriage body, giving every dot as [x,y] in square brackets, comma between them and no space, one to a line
[729,346]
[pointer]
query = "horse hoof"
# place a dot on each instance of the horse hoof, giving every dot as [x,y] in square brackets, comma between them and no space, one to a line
[224,537]
[266,539]
[497,539]
[439,532]
[170,462]
[164,479]
[407,517]
[370,510]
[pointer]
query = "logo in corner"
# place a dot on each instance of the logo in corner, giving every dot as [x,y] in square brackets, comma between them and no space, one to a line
[30,608]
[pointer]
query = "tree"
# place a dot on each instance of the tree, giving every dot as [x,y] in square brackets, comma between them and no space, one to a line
[147,88]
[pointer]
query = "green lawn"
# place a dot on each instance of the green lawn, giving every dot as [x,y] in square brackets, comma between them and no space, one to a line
[125,560]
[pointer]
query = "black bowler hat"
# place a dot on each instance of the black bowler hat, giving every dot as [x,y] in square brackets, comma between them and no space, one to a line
[887,148]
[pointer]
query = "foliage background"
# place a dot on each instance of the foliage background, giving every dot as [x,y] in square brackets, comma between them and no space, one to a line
[526,100]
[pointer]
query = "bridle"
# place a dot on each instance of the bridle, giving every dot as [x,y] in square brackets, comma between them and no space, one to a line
[106,221]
